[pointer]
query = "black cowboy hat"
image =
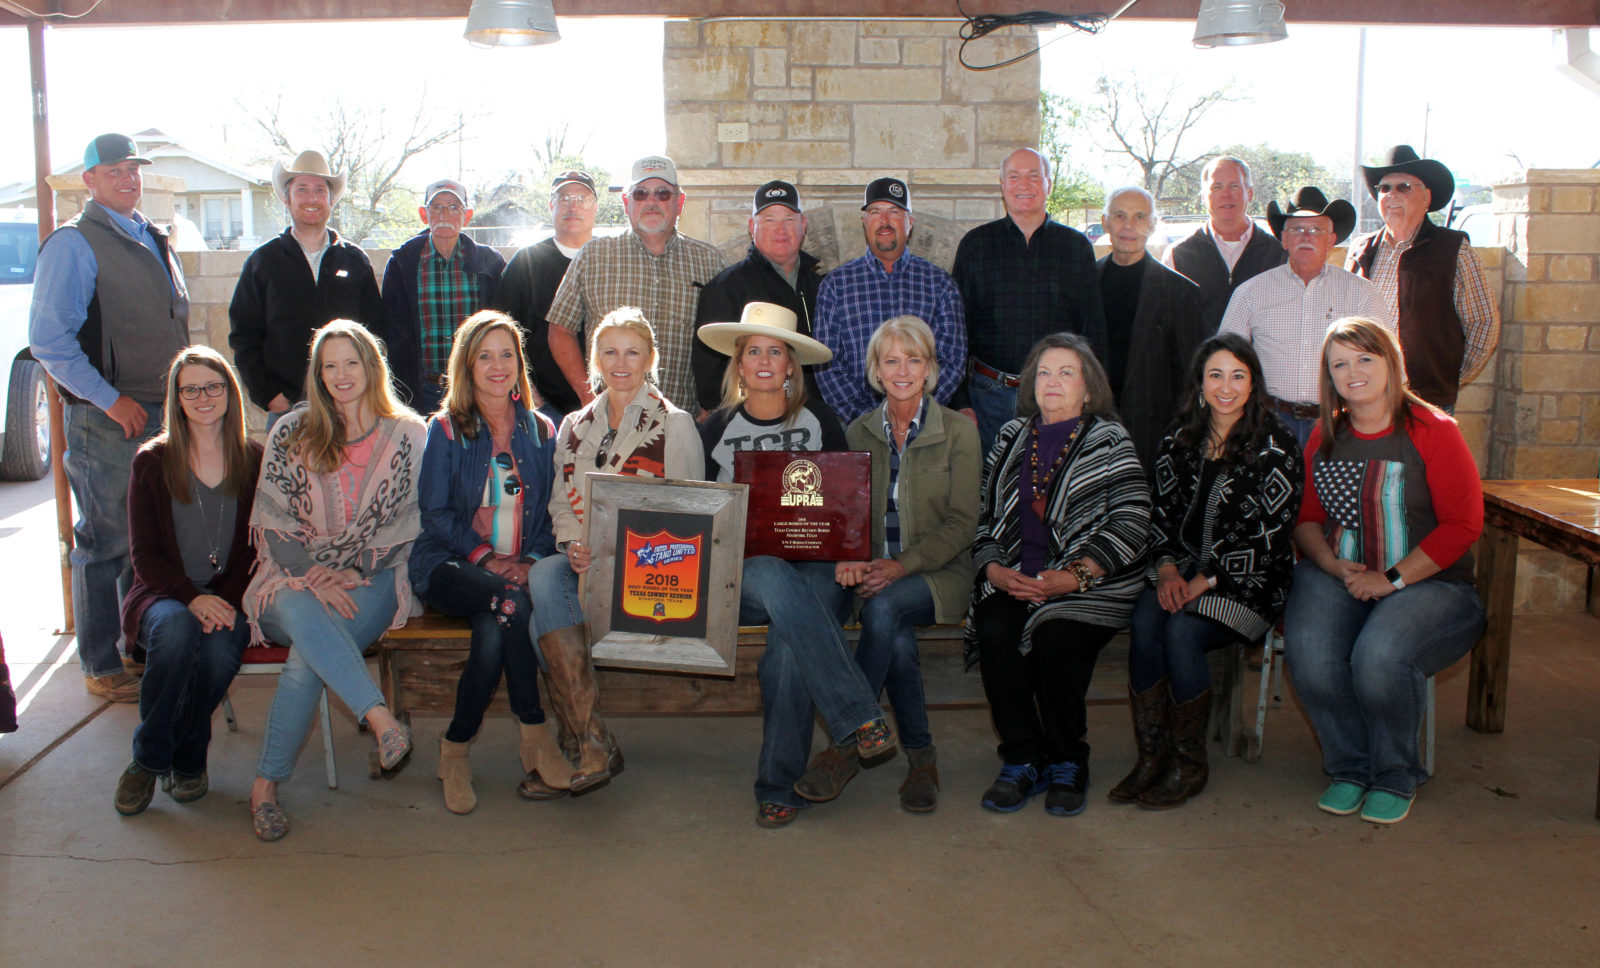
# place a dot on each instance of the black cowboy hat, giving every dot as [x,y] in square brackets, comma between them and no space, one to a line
[1403,158]
[1310,201]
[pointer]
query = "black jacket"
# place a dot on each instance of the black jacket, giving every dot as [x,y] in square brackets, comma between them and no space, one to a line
[400,302]
[525,291]
[1197,259]
[724,298]
[277,305]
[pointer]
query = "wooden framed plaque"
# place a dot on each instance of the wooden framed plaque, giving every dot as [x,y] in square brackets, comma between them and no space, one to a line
[807,505]
[663,591]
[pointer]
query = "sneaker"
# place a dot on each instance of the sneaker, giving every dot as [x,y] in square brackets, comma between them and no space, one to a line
[135,789]
[187,788]
[1381,806]
[117,687]
[1342,798]
[1012,789]
[829,771]
[1069,782]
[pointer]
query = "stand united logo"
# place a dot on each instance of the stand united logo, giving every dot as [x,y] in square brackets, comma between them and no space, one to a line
[661,576]
[802,485]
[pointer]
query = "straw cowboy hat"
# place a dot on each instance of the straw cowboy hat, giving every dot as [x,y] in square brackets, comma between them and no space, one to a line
[307,163]
[1310,201]
[1402,159]
[765,319]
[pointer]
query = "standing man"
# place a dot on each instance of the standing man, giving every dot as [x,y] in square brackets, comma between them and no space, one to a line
[435,280]
[1227,250]
[1285,311]
[866,292]
[110,311]
[1021,277]
[1153,322]
[775,270]
[292,285]
[1429,276]
[531,279]
[651,266]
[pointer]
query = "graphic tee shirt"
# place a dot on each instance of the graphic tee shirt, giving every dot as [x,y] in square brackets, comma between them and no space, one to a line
[726,432]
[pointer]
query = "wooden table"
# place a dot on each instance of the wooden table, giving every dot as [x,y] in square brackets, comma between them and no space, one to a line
[1561,515]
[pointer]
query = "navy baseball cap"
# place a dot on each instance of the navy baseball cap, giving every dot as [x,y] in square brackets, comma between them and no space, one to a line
[108,149]
[891,190]
[573,176]
[777,193]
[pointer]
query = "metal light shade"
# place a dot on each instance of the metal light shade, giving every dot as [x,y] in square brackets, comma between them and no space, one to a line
[512,23]
[1234,22]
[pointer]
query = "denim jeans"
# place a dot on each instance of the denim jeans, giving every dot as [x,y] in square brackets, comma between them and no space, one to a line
[186,676]
[324,648]
[429,396]
[98,459]
[993,403]
[499,614]
[806,668]
[1300,428]
[553,590]
[1172,646]
[888,657]
[1360,669]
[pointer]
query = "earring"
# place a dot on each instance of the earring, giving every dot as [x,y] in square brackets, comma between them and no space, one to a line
[1202,401]
[788,386]
[516,394]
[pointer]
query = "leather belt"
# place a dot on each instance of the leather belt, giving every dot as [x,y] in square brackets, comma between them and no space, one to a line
[437,379]
[1004,379]
[1299,411]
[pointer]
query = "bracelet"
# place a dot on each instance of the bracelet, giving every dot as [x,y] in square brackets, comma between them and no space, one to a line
[1081,572]
[1393,574]
[1211,581]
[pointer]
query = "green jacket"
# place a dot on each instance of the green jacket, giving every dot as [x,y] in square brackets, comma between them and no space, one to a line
[938,501]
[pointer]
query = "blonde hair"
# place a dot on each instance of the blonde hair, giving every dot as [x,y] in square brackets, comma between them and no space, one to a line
[1368,336]
[236,477]
[630,318]
[460,396]
[914,336]
[320,437]
[733,388]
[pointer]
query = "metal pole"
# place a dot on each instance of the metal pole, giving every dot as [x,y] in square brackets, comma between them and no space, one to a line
[45,201]
[1363,205]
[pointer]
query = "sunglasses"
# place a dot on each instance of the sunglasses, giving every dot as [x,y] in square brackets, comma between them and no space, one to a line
[605,445]
[513,484]
[210,389]
[1403,188]
[661,194]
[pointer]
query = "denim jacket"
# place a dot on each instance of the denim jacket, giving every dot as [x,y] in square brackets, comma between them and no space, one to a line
[454,470]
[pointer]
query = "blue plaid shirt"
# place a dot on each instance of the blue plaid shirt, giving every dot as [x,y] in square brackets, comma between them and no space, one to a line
[891,517]
[860,296]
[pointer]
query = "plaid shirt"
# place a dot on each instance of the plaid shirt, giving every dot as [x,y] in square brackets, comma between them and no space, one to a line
[1480,318]
[858,297]
[446,295]
[620,271]
[1017,290]
[891,516]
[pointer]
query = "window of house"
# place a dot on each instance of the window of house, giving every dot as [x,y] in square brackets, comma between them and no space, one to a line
[223,217]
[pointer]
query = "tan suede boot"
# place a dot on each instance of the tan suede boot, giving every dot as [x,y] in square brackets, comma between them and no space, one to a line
[573,694]
[456,772]
[542,758]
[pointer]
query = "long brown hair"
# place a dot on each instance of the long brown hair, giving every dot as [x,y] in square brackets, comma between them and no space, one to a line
[460,397]
[319,439]
[236,477]
[733,388]
[1368,336]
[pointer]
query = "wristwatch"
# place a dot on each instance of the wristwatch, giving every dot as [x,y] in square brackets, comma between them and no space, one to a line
[1393,574]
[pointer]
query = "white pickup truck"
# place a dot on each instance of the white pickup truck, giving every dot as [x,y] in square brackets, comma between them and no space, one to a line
[24,405]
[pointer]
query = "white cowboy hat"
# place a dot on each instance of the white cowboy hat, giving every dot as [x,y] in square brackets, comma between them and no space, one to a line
[307,163]
[765,319]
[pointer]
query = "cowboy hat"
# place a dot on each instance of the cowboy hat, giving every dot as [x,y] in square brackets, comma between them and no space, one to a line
[1309,201]
[1403,159]
[306,163]
[765,319]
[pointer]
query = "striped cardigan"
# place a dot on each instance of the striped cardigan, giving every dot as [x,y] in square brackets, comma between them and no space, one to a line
[1098,505]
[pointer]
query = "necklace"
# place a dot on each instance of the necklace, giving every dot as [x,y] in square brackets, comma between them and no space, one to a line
[1040,484]
[215,555]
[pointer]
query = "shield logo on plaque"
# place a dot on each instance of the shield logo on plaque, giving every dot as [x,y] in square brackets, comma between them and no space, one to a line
[661,576]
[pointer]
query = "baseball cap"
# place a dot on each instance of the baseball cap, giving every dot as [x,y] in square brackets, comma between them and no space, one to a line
[108,149]
[653,166]
[572,177]
[777,193]
[447,185]
[891,190]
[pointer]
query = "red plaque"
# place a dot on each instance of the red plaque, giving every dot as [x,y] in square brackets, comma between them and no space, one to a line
[807,505]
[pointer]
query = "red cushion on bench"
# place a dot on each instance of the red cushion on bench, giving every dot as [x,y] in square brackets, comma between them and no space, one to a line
[265,654]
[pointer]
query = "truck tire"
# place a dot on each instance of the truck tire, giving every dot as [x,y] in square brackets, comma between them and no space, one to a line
[27,448]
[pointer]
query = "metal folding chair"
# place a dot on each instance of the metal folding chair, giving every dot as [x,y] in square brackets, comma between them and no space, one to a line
[268,660]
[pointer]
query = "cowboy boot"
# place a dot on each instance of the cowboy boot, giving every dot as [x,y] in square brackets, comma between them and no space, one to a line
[456,772]
[1186,774]
[1152,734]
[548,774]
[573,693]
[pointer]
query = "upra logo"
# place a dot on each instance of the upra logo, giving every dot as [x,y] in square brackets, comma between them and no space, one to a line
[896,191]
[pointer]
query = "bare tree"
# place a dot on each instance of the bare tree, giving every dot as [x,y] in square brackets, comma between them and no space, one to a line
[1060,126]
[1147,119]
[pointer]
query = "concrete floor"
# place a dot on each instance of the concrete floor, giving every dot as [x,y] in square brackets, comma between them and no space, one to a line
[1496,866]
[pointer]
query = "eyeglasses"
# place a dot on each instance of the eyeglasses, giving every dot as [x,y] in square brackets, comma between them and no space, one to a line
[210,390]
[577,200]
[661,194]
[1403,188]
[1311,230]
[513,484]
[605,444]
[445,209]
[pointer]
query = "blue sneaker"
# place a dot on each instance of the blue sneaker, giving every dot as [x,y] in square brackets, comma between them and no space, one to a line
[1069,782]
[1011,790]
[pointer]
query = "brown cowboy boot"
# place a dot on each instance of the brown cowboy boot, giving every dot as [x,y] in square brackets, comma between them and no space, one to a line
[1152,734]
[570,675]
[1187,773]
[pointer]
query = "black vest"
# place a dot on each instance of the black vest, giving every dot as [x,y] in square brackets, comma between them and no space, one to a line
[1425,308]
[1198,259]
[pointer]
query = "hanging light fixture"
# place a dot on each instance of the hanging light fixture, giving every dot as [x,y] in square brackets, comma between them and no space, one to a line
[511,23]
[1229,23]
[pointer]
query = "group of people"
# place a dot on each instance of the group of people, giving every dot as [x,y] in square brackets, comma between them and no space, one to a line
[424,447]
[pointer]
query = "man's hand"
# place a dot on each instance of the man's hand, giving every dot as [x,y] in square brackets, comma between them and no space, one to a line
[278,404]
[130,415]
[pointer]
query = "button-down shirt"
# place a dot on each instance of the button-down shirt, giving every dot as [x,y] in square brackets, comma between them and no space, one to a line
[891,516]
[1286,319]
[861,295]
[620,271]
[1480,317]
[446,295]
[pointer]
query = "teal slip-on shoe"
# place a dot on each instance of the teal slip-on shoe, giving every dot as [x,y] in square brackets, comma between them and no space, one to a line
[1342,798]
[1383,807]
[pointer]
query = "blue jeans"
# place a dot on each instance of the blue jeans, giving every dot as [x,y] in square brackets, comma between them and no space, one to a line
[498,611]
[1172,646]
[97,462]
[186,676]
[1300,428]
[806,668]
[429,396]
[323,649]
[993,403]
[1360,669]
[888,657]
[553,591]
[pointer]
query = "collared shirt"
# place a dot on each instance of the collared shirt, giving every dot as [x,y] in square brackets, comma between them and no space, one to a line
[446,295]
[314,256]
[1230,251]
[891,517]
[858,297]
[1286,319]
[620,271]
[1016,290]
[1474,303]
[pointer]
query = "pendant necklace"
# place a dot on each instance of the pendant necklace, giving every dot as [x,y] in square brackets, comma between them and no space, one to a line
[215,555]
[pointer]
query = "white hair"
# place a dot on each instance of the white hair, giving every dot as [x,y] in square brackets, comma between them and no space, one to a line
[1140,190]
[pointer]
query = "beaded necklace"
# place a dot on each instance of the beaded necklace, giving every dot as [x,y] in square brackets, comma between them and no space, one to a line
[1040,485]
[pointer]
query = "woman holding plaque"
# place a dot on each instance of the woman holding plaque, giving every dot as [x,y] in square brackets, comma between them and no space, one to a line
[1063,524]
[629,428]
[806,667]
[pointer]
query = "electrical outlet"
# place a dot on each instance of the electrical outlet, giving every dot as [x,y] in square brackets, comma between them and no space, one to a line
[735,132]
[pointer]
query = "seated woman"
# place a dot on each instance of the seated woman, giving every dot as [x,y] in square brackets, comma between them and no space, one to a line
[926,462]
[806,666]
[1227,489]
[629,428]
[1383,597]
[1063,523]
[485,497]
[334,518]
[189,540]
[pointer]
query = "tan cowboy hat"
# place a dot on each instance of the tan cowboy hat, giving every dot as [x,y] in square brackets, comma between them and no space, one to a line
[765,319]
[306,163]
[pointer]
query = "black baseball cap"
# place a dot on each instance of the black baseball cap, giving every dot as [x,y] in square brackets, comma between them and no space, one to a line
[573,176]
[108,149]
[776,193]
[891,190]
